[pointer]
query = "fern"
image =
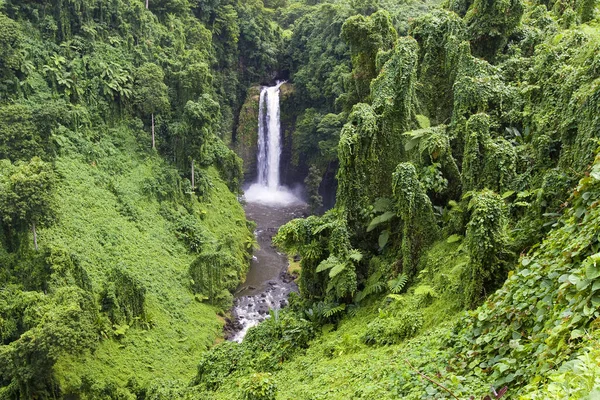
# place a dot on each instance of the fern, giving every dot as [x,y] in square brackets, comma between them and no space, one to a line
[395,297]
[328,263]
[376,287]
[426,291]
[397,285]
[353,310]
[355,255]
[330,312]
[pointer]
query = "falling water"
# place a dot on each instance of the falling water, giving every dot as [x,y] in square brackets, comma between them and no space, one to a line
[267,189]
[269,137]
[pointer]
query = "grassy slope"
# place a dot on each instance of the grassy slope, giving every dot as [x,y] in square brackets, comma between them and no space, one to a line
[93,226]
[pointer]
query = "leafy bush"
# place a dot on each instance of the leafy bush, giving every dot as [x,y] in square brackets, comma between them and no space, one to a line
[123,298]
[278,338]
[220,362]
[259,387]
[393,329]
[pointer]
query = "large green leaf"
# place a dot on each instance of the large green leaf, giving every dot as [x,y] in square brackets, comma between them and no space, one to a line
[336,270]
[592,270]
[380,219]
[382,204]
[383,238]
[328,263]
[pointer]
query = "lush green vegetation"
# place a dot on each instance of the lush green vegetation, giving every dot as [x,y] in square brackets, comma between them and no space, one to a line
[116,188]
[462,251]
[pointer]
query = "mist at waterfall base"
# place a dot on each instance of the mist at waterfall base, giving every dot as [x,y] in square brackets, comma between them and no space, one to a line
[270,205]
[282,196]
[267,189]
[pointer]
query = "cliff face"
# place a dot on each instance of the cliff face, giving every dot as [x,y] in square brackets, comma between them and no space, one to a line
[245,142]
[293,169]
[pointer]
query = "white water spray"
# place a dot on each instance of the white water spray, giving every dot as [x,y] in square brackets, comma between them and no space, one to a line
[267,189]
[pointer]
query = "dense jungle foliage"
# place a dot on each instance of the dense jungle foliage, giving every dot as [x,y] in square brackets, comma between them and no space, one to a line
[461,259]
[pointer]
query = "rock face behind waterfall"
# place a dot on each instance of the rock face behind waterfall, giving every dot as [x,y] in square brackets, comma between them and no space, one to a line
[246,135]
[293,167]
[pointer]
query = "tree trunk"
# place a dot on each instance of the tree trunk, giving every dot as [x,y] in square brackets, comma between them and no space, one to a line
[153,142]
[193,176]
[35,245]
[147,3]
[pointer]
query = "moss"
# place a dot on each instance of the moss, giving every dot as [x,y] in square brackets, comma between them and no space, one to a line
[294,268]
[246,134]
[419,227]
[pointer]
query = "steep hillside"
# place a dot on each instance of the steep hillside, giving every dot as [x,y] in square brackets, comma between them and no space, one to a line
[121,235]
[126,235]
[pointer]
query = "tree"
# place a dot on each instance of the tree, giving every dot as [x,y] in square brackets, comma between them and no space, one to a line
[150,92]
[489,23]
[413,206]
[313,182]
[26,197]
[486,242]
[10,37]
[366,36]
[18,136]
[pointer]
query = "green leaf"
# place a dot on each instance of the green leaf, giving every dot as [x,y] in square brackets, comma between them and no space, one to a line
[334,310]
[583,284]
[502,367]
[506,195]
[592,271]
[595,172]
[411,144]
[396,285]
[423,121]
[383,238]
[336,270]
[382,204]
[355,255]
[328,263]
[573,279]
[454,238]
[380,219]
[576,333]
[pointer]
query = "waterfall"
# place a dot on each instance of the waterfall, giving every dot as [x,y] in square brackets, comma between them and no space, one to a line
[269,137]
[267,188]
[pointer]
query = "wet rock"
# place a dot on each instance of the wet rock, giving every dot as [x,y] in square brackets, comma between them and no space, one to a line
[286,277]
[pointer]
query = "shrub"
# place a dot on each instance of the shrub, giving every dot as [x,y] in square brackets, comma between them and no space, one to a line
[391,330]
[259,387]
